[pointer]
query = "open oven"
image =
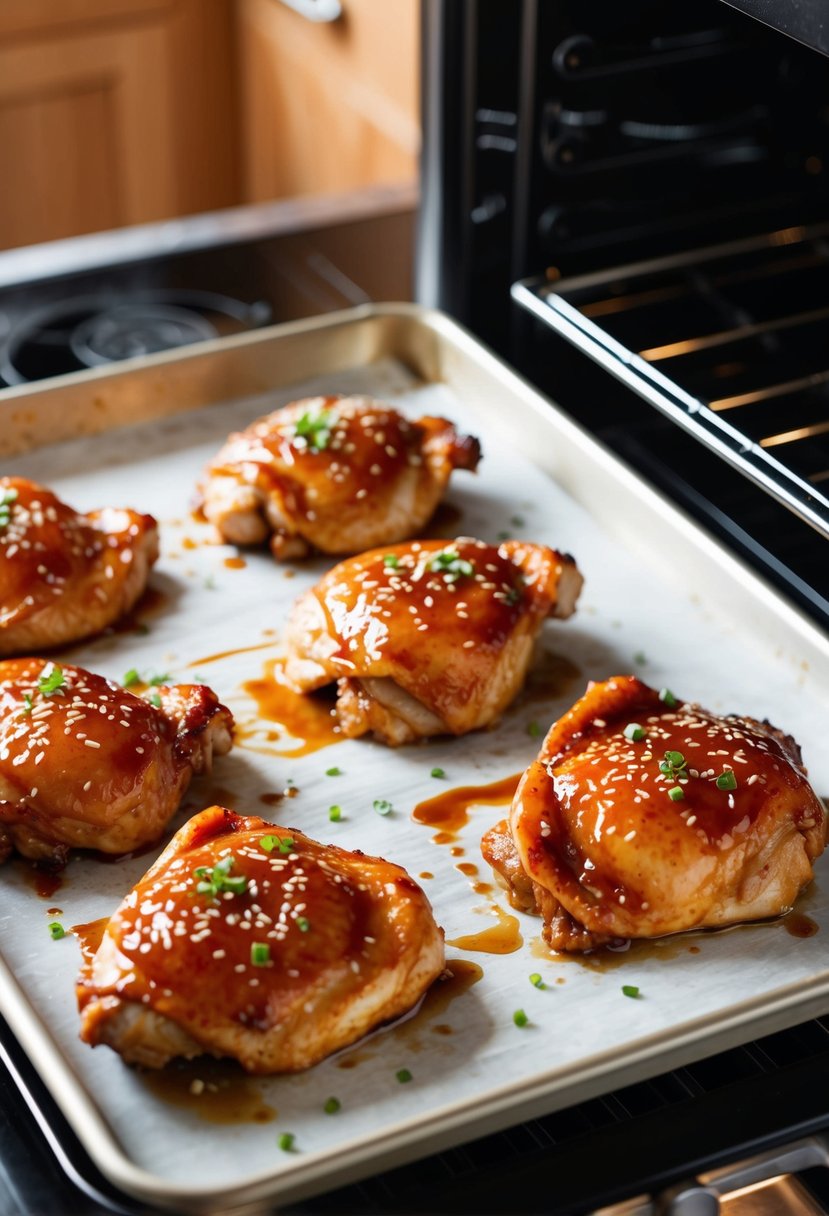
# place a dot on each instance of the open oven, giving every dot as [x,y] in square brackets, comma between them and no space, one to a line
[629,203]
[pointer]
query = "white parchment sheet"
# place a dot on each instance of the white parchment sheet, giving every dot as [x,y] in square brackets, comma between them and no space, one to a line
[638,612]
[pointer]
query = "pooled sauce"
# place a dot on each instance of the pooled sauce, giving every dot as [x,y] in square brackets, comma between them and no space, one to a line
[235,563]
[458,978]
[799,925]
[301,716]
[187,542]
[216,1090]
[469,870]
[89,936]
[550,675]
[626,954]
[54,911]
[228,654]
[44,880]
[503,938]
[277,797]
[450,811]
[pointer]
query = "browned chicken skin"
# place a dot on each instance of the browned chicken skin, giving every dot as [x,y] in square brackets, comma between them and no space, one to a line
[63,575]
[336,474]
[253,941]
[429,637]
[86,764]
[644,815]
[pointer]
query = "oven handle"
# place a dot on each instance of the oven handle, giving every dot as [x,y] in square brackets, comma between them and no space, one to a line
[709,1194]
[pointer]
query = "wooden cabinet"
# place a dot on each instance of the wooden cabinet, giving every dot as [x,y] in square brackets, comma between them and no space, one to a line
[118,112]
[328,107]
[113,112]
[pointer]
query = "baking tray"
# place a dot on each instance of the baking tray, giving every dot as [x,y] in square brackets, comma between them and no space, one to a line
[661,598]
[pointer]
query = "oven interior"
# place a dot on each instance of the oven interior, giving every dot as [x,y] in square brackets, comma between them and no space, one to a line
[645,194]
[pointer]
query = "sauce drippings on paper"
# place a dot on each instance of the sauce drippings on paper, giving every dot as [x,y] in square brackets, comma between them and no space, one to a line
[799,925]
[459,977]
[228,654]
[218,1091]
[503,938]
[235,563]
[304,717]
[450,811]
[45,881]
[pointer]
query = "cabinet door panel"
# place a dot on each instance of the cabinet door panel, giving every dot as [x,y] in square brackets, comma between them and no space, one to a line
[328,107]
[84,135]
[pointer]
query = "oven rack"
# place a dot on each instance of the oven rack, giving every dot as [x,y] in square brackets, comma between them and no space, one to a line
[730,341]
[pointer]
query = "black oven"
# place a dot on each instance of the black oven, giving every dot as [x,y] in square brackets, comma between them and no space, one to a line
[630,203]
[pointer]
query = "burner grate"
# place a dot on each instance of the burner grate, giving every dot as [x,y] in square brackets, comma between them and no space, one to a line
[731,342]
[104,327]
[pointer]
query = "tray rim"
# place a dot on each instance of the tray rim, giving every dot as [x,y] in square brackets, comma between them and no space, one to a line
[589,1076]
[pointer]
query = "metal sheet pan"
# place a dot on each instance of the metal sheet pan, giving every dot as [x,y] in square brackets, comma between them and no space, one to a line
[708,628]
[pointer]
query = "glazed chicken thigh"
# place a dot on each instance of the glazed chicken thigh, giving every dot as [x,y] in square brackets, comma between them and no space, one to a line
[427,638]
[86,764]
[336,474]
[63,575]
[254,941]
[644,815]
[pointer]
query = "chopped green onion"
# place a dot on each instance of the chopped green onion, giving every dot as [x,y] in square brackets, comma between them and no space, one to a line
[163,679]
[403,1075]
[437,772]
[537,981]
[520,1018]
[56,930]
[303,924]
[667,697]
[332,1105]
[260,954]
[634,732]
[676,793]
[674,765]
[517,521]
[513,596]
[391,560]
[47,684]
[155,700]
[727,780]
[287,844]
[286,1141]
[335,813]
[217,879]
[268,843]
[640,657]
[316,428]
[503,536]
[451,565]
[630,990]
[131,677]
[534,729]
[6,500]
[27,703]
[382,806]
[334,772]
